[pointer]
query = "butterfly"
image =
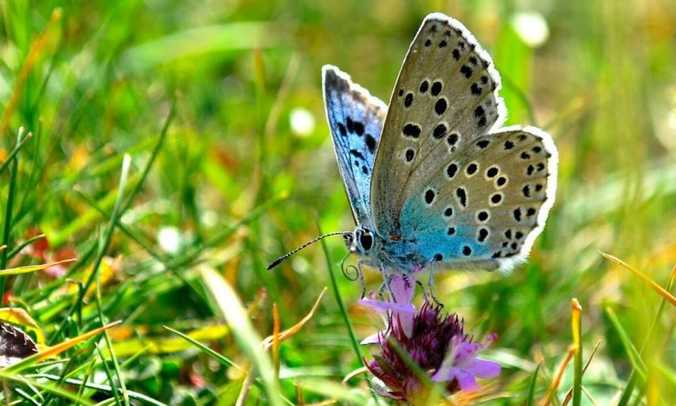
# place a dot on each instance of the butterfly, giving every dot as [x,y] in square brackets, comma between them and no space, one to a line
[434,180]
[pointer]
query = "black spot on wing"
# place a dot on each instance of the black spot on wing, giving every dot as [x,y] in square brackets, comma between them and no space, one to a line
[342,130]
[359,128]
[370,143]
[412,130]
[440,106]
[350,125]
[356,153]
[436,88]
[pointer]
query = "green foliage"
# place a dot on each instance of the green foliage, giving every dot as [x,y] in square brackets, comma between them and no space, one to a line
[164,137]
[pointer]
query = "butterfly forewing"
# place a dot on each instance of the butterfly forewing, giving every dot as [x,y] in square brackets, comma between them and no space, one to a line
[445,96]
[356,121]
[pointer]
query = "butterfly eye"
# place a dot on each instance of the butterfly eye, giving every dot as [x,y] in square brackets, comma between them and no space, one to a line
[366,240]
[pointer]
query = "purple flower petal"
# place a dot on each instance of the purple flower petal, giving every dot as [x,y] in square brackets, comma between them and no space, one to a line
[406,322]
[444,374]
[382,307]
[466,380]
[402,288]
[372,339]
[483,368]
[464,351]
[401,309]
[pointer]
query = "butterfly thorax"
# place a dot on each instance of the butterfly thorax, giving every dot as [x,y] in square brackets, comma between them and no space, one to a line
[384,253]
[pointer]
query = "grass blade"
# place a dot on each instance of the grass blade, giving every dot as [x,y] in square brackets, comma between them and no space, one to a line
[54,389]
[204,348]
[9,208]
[629,388]
[233,311]
[107,237]
[109,346]
[197,41]
[343,312]
[291,331]
[17,315]
[569,395]
[576,327]
[33,268]
[530,401]
[334,391]
[15,150]
[341,304]
[24,244]
[100,387]
[217,356]
[551,392]
[37,49]
[153,157]
[104,242]
[660,290]
[276,323]
[633,354]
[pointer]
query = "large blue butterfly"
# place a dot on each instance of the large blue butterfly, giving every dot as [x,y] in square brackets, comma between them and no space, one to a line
[443,184]
[434,180]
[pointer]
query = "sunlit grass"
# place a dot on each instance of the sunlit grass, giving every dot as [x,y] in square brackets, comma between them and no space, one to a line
[121,120]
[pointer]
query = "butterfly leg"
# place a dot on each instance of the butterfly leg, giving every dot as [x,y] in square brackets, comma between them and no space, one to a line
[428,291]
[385,286]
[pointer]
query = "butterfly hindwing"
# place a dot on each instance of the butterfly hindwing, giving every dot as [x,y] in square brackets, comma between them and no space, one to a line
[491,204]
[356,121]
[446,95]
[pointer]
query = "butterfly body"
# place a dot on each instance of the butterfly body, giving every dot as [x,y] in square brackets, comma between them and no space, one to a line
[433,179]
[385,252]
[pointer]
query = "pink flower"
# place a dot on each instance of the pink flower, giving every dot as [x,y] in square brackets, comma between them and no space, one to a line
[434,340]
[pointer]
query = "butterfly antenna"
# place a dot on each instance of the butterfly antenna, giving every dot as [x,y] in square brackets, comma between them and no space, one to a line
[314,240]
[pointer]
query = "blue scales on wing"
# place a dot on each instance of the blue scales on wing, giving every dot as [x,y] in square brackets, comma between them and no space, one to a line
[356,121]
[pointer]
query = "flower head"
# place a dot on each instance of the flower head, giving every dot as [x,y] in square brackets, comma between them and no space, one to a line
[434,340]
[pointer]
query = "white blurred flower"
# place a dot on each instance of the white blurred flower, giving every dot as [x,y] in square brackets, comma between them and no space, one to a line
[209,218]
[302,122]
[169,238]
[664,116]
[531,27]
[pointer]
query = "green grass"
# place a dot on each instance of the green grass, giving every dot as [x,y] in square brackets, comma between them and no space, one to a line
[152,118]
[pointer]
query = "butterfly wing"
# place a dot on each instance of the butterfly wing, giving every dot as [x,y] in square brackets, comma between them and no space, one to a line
[445,96]
[490,203]
[356,121]
[430,180]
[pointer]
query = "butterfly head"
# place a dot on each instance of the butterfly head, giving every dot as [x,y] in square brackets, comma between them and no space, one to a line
[361,241]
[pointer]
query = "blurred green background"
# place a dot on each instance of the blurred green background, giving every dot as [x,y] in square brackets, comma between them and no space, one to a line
[245,171]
